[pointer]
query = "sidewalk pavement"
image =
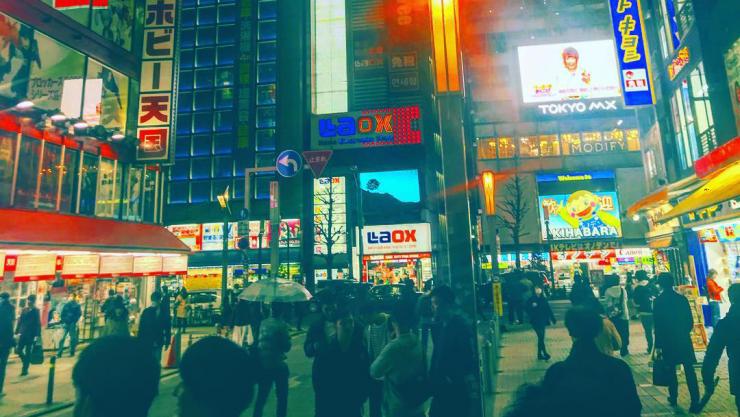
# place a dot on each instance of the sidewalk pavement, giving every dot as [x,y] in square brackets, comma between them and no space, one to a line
[518,364]
[26,396]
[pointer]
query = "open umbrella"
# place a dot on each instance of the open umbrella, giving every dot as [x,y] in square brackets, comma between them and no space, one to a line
[276,290]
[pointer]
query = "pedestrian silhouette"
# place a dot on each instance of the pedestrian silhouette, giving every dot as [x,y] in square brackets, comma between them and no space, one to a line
[725,336]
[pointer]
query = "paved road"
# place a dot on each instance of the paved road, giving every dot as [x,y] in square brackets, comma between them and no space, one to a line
[300,394]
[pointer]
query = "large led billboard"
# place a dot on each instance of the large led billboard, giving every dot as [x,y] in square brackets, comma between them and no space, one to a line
[367,128]
[568,71]
[579,206]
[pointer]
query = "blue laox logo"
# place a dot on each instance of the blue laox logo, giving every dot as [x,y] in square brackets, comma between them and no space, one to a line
[346,126]
[395,236]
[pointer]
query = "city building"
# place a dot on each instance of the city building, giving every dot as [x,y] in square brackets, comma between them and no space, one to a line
[690,141]
[547,117]
[82,140]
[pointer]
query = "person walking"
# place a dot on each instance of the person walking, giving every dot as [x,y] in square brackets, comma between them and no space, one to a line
[7,316]
[608,341]
[725,337]
[273,345]
[71,313]
[714,293]
[28,331]
[514,292]
[340,368]
[153,327]
[400,364]
[540,315]
[643,296]
[181,310]
[376,338]
[454,362]
[241,321]
[616,309]
[673,325]
[581,290]
[426,317]
[587,382]
[116,316]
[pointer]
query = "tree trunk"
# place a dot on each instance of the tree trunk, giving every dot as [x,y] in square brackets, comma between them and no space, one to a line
[517,250]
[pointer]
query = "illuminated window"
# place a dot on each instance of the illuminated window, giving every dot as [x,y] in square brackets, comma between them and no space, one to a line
[528,147]
[633,139]
[487,149]
[570,141]
[329,56]
[549,145]
[506,148]
[614,140]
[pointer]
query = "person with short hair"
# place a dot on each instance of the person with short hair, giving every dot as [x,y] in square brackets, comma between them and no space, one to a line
[272,347]
[218,379]
[617,310]
[714,294]
[400,362]
[153,329]
[7,316]
[115,376]
[540,315]
[673,324]
[588,382]
[454,361]
[71,313]
[28,331]
[725,337]
[643,296]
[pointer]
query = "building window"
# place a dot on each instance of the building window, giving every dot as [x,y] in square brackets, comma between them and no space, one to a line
[28,169]
[89,184]
[108,190]
[506,148]
[329,56]
[265,140]
[49,176]
[200,191]
[8,146]
[570,141]
[549,145]
[683,123]
[487,148]
[702,108]
[528,147]
[69,172]
[633,139]
[178,192]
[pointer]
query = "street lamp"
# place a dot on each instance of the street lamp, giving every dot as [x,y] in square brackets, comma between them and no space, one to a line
[223,201]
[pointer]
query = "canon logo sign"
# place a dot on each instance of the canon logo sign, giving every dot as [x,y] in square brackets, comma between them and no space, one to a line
[394,236]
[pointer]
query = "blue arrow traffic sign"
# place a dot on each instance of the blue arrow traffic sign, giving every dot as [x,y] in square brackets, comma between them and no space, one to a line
[289,163]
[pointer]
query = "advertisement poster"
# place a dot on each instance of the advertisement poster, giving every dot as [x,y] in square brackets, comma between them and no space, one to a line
[581,215]
[698,333]
[213,236]
[579,206]
[568,71]
[189,234]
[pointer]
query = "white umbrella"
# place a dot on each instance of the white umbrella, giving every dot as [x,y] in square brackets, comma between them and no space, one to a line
[276,290]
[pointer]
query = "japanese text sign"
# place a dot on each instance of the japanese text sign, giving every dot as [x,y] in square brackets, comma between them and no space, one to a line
[155,107]
[632,50]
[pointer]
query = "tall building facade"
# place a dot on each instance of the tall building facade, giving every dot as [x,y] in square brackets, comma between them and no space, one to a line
[83,131]
[547,117]
[691,151]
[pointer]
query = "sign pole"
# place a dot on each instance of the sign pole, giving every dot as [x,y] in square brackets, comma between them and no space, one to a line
[274,228]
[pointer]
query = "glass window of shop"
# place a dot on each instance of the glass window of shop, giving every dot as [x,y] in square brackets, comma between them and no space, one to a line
[570,142]
[684,126]
[69,174]
[89,183]
[150,189]
[549,145]
[506,147]
[28,172]
[108,188]
[49,176]
[487,148]
[132,190]
[8,146]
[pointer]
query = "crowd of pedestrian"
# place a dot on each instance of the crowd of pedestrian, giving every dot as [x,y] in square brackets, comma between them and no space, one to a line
[593,380]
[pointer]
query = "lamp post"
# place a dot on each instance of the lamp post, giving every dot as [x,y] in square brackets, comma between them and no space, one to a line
[546,211]
[360,223]
[223,201]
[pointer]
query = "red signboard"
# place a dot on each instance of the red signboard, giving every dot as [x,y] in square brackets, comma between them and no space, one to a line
[718,158]
[317,160]
[70,4]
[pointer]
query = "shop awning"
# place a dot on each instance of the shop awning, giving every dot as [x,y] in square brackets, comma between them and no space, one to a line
[650,200]
[721,187]
[38,230]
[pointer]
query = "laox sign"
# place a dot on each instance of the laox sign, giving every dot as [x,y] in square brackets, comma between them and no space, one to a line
[577,107]
[395,236]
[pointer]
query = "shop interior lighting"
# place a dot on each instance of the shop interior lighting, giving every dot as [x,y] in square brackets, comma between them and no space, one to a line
[713,225]
[117,136]
[636,217]
[58,117]
[80,125]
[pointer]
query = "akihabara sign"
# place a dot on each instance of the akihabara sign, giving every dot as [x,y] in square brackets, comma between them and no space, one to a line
[397,238]
[155,107]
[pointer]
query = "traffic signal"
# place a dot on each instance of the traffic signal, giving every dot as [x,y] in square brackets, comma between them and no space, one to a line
[488,181]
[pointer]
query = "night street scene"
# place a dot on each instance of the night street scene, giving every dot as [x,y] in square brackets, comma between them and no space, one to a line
[369,208]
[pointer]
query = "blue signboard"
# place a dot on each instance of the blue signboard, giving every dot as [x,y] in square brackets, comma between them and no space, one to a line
[289,163]
[632,50]
[673,23]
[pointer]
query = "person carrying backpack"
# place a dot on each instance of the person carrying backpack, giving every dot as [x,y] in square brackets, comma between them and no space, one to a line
[71,313]
[401,367]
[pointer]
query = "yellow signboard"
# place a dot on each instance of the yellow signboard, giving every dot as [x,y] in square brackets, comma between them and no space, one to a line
[498,300]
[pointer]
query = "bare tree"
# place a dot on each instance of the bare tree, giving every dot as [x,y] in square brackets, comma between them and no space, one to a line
[513,209]
[327,232]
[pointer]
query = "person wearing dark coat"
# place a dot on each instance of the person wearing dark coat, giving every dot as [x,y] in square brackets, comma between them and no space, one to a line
[341,366]
[454,362]
[153,326]
[725,336]
[28,331]
[673,325]
[7,316]
[589,383]
[71,313]
[540,315]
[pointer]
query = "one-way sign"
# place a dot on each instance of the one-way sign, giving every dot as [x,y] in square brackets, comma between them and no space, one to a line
[317,160]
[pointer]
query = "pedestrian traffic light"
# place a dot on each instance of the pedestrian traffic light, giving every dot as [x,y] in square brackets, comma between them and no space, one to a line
[488,181]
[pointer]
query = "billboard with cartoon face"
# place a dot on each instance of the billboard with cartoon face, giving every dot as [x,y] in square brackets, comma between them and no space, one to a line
[579,206]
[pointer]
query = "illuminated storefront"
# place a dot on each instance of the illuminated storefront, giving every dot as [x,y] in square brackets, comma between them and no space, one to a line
[393,253]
